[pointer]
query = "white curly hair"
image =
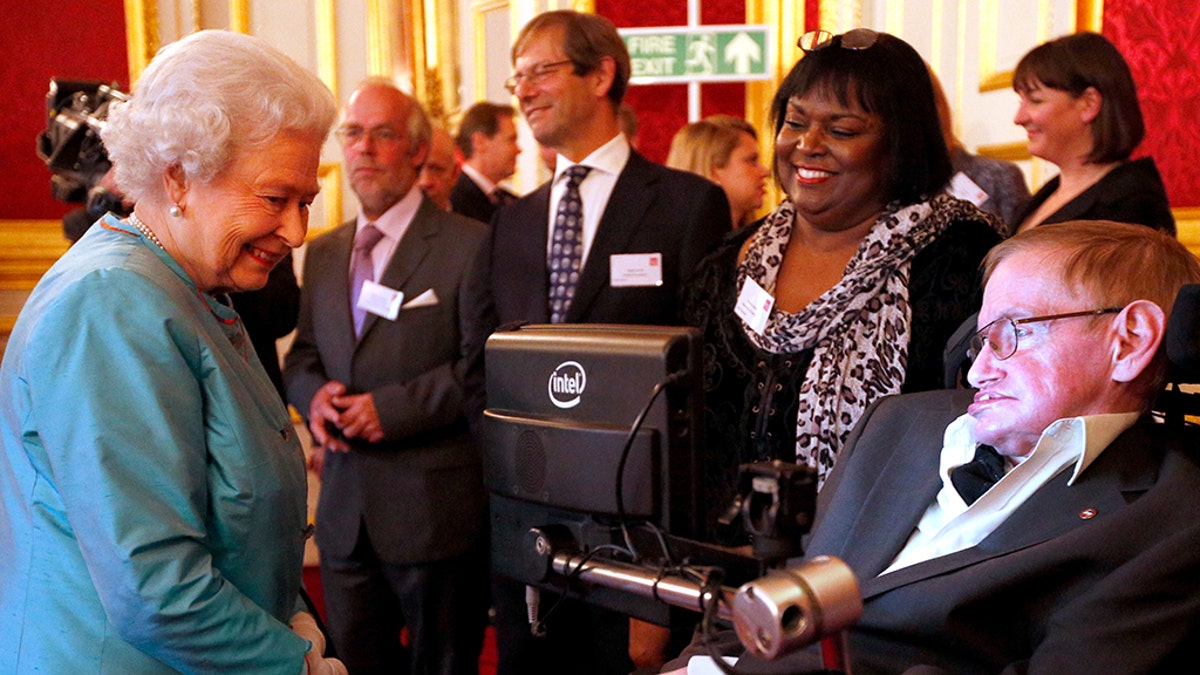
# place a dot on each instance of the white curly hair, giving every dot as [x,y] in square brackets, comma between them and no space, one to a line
[204,97]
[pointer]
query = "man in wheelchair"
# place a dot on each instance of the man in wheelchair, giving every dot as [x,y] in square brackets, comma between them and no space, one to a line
[1046,521]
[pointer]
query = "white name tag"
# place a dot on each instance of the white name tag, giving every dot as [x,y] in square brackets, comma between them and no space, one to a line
[704,665]
[754,305]
[635,269]
[963,187]
[380,300]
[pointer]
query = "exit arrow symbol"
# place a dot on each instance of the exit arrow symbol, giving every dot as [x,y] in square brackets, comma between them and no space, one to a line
[741,51]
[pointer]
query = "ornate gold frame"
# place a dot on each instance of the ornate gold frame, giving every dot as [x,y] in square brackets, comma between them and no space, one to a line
[1089,16]
[479,47]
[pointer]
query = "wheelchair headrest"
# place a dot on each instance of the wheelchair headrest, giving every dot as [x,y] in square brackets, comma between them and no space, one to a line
[1183,336]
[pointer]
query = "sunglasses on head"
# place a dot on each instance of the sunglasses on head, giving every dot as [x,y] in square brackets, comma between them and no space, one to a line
[855,40]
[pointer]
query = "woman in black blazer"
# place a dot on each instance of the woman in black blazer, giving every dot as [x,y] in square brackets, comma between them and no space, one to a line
[1080,110]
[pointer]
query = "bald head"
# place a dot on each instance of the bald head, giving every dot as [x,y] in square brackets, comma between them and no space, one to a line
[385,138]
[441,169]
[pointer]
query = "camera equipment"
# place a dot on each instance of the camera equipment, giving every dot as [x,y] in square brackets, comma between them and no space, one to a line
[71,146]
[584,505]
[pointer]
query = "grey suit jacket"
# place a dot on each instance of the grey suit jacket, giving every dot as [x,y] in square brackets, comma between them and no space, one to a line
[1052,590]
[420,491]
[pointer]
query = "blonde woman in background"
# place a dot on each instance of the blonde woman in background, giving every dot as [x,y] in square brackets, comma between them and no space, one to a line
[724,149]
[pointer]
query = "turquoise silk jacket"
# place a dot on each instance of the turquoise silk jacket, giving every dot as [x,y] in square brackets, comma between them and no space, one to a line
[152,490]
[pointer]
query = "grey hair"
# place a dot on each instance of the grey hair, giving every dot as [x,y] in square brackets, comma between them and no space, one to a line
[203,98]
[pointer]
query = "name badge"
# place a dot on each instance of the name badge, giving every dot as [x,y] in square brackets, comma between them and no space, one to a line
[380,300]
[635,269]
[964,188]
[754,305]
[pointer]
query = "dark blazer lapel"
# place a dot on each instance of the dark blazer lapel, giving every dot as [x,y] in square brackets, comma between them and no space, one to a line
[1077,207]
[476,192]
[890,510]
[622,218]
[519,244]
[1053,511]
[409,253]
[336,317]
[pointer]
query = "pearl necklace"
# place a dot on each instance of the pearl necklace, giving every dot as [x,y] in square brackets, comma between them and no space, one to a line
[141,227]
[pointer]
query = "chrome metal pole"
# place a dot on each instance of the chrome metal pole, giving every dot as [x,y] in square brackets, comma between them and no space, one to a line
[647,583]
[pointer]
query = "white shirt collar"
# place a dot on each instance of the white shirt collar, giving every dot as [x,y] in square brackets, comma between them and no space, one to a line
[394,222]
[1082,438]
[609,158]
[481,180]
[949,524]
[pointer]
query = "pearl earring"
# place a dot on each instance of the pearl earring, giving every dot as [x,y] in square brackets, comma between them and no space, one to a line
[175,211]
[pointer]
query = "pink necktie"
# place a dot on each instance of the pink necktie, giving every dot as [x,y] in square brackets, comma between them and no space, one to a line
[361,269]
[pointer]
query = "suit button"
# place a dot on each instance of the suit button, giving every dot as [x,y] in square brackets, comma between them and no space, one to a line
[1087,514]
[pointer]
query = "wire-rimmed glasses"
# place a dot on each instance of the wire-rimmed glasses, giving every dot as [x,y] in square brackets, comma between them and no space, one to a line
[535,75]
[1002,337]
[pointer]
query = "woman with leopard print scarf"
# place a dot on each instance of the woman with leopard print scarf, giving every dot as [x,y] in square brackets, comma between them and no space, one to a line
[849,289]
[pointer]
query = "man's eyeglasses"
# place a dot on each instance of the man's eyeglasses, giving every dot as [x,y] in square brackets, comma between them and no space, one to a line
[535,76]
[855,40]
[1002,336]
[379,135]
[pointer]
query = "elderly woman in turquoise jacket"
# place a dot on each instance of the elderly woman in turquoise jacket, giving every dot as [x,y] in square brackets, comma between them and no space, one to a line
[152,490]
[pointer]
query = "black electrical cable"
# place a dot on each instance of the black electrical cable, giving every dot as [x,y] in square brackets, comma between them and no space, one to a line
[622,519]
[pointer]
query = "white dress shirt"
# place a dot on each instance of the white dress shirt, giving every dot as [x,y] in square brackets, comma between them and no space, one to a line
[950,525]
[607,162]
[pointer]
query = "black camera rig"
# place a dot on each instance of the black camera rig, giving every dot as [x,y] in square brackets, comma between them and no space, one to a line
[70,146]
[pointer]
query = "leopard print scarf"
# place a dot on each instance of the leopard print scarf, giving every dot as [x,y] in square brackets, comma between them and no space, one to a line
[858,329]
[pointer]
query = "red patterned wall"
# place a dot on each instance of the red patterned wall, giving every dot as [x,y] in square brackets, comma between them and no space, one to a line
[1159,39]
[662,108]
[72,39]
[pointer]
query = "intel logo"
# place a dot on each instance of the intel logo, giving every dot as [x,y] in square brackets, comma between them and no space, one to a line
[566,384]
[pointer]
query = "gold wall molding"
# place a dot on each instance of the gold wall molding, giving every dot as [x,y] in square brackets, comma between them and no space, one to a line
[838,16]
[1089,16]
[141,35]
[787,20]
[330,176]
[1187,225]
[479,10]
[435,56]
[27,249]
[1012,152]
[239,16]
[990,79]
[381,50]
[327,61]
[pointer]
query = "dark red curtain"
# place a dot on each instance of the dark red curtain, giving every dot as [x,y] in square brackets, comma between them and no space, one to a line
[72,39]
[1160,42]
